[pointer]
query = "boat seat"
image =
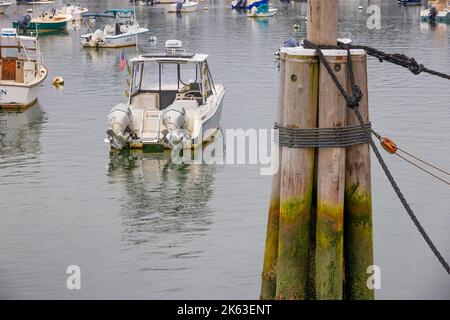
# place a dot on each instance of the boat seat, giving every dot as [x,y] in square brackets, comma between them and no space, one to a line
[146,100]
[150,125]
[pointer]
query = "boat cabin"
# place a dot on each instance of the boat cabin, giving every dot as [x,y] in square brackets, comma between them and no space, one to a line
[19,57]
[160,80]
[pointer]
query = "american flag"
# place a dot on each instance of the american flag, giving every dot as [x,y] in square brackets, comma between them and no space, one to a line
[122,61]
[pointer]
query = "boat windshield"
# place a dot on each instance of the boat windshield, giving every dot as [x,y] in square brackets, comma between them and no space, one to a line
[167,76]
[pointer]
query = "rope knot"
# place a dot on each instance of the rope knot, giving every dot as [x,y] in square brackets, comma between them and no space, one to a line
[414,67]
[354,100]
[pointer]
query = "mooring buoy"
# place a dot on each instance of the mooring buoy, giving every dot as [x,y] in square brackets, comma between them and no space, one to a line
[58,81]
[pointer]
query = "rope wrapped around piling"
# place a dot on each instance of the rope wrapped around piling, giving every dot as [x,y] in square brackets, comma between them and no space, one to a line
[338,137]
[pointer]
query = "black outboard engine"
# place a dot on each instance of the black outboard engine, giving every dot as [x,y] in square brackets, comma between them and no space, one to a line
[24,22]
[179,6]
[432,15]
[241,4]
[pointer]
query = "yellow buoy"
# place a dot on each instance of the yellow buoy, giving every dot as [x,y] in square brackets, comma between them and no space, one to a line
[58,81]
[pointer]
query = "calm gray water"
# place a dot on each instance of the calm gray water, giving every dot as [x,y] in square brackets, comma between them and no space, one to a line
[149,229]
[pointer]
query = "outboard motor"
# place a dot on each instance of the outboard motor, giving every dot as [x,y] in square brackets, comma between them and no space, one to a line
[24,21]
[174,120]
[432,15]
[241,4]
[179,5]
[120,126]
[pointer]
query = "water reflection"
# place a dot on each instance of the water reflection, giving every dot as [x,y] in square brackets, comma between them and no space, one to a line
[162,203]
[20,134]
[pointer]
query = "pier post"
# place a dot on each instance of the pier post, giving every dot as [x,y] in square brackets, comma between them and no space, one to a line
[297,176]
[332,112]
[320,212]
[269,274]
[358,241]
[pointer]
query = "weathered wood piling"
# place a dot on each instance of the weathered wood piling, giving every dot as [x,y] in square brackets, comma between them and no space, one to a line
[358,237]
[331,184]
[297,175]
[269,276]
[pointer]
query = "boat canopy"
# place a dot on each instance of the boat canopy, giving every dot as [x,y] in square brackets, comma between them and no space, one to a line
[121,12]
[97,15]
[182,57]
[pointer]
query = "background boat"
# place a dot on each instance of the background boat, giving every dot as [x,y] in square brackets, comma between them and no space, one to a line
[4,5]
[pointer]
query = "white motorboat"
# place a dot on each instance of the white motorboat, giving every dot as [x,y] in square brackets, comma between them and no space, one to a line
[173,101]
[122,32]
[183,6]
[22,71]
[255,14]
[4,5]
[262,11]
[73,9]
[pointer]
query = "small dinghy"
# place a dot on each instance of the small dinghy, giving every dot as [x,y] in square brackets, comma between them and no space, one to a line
[22,71]
[183,6]
[122,32]
[173,102]
[4,5]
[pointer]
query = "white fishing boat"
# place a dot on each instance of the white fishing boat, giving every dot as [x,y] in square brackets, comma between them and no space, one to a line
[21,70]
[173,101]
[4,5]
[183,6]
[122,32]
[73,9]
[262,11]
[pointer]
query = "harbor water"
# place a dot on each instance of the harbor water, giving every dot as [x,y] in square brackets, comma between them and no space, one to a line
[147,228]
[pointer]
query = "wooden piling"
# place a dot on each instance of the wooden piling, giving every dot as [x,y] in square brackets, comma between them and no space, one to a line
[332,110]
[358,200]
[330,184]
[297,173]
[330,187]
[269,274]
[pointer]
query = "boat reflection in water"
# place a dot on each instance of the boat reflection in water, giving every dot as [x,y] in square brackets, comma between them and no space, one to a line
[164,206]
[20,135]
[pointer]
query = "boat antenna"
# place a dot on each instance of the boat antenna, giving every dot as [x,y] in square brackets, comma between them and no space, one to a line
[135,20]
[35,23]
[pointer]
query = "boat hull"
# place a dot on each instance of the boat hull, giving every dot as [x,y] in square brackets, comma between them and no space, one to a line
[20,96]
[44,26]
[120,41]
[185,8]
[442,16]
